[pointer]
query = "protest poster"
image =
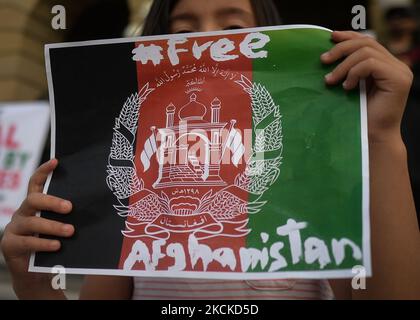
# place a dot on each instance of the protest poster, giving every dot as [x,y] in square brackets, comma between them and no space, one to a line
[211,155]
[23,133]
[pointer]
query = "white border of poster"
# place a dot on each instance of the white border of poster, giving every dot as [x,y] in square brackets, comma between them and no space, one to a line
[327,274]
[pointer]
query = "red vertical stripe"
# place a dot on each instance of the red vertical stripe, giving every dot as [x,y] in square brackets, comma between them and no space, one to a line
[235,105]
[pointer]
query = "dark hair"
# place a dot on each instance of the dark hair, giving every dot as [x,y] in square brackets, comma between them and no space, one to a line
[157,21]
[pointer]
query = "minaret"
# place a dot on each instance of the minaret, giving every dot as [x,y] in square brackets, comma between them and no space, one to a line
[169,137]
[215,118]
[215,146]
[170,113]
[215,110]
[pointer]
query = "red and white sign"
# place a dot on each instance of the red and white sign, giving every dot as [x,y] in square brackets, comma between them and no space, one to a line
[23,130]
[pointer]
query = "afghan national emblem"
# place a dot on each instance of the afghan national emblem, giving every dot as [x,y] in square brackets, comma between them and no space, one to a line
[189,194]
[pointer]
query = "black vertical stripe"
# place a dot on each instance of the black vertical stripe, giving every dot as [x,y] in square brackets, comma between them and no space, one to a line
[91,84]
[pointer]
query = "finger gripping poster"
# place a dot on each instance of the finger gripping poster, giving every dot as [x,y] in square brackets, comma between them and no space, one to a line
[216,155]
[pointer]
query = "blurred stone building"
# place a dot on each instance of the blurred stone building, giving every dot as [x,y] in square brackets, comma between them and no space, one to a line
[25,27]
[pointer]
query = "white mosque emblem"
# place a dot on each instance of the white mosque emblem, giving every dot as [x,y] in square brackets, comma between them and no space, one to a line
[219,211]
[181,166]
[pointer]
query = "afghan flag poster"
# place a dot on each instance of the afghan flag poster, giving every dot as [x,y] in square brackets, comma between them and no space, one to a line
[216,155]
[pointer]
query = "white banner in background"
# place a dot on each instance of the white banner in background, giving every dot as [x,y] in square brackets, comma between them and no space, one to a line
[23,132]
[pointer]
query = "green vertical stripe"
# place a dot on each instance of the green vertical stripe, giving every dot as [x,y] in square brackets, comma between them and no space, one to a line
[321,173]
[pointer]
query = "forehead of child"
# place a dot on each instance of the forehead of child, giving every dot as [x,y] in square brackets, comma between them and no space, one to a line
[215,14]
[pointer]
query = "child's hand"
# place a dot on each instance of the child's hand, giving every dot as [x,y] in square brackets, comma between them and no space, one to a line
[18,239]
[388,80]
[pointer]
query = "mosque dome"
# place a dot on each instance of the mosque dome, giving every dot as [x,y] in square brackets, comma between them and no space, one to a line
[193,110]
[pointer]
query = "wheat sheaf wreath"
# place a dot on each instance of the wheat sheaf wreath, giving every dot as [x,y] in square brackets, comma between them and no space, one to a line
[262,168]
